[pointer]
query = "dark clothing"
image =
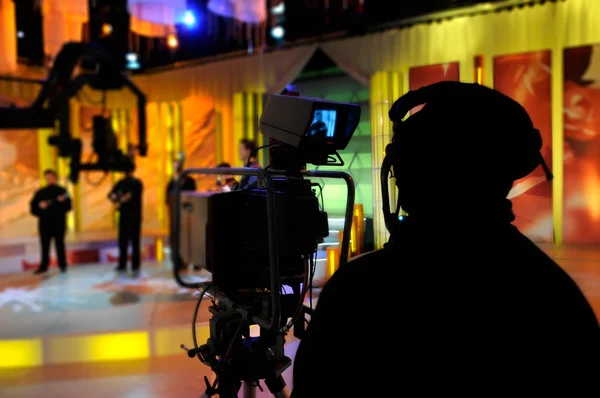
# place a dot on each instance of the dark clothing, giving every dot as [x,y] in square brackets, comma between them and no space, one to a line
[249,182]
[134,187]
[130,219]
[442,314]
[51,222]
[130,230]
[188,184]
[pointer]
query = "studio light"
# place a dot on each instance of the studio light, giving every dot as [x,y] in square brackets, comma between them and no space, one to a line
[279,9]
[277,32]
[172,41]
[106,29]
[20,34]
[189,19]
[132,61]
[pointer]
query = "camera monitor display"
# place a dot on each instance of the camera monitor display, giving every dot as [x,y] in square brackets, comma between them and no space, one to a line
[323,123]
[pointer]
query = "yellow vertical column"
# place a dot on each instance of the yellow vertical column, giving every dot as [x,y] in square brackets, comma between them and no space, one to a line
[386,87]
[239,120]
[122,141]
[165,147]
[558,132]
[178,143]
[8,37]
[75,190]
[46,153]
[169,140]
[247,109]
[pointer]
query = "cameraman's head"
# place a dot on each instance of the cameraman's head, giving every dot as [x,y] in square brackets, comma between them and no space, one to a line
[247,148]
[459,155]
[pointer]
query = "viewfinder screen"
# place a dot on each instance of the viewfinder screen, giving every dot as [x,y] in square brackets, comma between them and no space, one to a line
[323,124]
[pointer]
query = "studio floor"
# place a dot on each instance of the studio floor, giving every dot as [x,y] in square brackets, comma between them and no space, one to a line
[90,333]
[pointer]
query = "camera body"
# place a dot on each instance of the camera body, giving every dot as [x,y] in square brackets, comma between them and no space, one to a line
[261,244]
[237,250]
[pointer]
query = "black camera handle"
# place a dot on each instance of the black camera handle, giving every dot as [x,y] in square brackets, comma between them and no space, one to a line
[267,180]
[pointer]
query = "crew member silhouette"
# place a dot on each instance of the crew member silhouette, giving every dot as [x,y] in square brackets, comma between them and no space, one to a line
[186,183]
[459,302]
[50,205]
[127,197]
[318,128]
[247,153]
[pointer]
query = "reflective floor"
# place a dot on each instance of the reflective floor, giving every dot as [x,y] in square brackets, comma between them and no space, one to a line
[90,333]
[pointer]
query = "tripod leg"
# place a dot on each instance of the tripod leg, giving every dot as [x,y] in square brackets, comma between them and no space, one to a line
[248,390]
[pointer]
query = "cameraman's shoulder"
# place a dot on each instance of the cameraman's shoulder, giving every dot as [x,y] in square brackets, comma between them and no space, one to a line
[366,262]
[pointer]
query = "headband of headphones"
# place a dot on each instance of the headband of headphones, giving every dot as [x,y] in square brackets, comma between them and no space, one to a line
[529,140]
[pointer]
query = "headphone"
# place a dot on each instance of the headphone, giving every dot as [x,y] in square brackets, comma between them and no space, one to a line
[529,156]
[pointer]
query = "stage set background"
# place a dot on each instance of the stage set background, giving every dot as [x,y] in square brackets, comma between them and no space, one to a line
[526,44]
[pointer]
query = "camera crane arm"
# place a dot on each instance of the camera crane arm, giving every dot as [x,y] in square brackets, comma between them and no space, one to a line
[52,102]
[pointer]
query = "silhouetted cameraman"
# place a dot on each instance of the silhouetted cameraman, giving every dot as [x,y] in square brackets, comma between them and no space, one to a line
[458,302]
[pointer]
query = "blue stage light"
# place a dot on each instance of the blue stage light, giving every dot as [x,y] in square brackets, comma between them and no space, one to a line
[277,32]
[401,218]
[189,19]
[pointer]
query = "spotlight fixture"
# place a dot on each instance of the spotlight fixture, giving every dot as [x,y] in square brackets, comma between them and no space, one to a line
[172,41]
[189,19]
[277,32]
[106,29]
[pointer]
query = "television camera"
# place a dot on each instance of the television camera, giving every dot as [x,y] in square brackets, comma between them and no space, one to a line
[98,71]
[261,243]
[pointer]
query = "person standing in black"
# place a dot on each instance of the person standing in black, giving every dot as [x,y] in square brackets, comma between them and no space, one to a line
[127,197]
[247,153]
[186,183]
[50,205]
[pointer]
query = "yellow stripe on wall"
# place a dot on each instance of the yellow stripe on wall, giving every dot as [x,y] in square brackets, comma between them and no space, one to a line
[386,87]
[557,64]
[75,190]
[238,125]
[247,109]
[46,153]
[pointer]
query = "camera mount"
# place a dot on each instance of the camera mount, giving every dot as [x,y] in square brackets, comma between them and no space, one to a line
[239,360]
[52,104]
